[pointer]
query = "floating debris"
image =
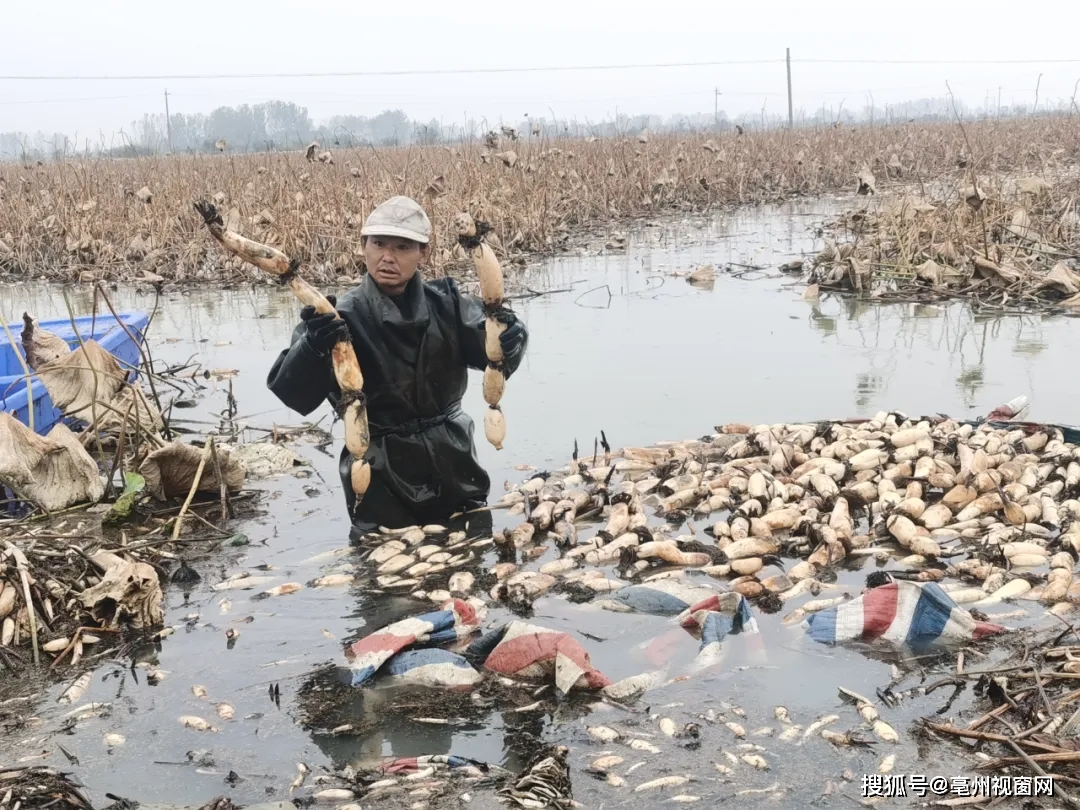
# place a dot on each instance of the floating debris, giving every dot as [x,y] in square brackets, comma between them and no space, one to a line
[603,733]
[333,796]
[433,668]
[281,590]
[819,724]
[332,581]
[791,733]
[916,614]
[545,782]
[662,782]
[755,761]
[196,723]
[457,619]
[265,459]
[75,692]
[844,740]
[533,652]
[302,771]
[606,763]
[243,581]
[40,786]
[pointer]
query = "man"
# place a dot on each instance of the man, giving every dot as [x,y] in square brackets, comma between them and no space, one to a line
[414,340]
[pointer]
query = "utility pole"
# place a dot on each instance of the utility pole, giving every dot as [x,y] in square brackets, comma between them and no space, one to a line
[716,107]
[168,120]
[790,113]
[999,101]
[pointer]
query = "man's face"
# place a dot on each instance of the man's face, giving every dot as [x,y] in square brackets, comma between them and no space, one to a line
[392,261]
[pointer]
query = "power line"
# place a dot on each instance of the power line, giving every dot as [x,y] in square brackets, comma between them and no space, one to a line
[417,72]
[401,101]
[936,61]
[537,69]
[345,98]
[421,102]
[73,100]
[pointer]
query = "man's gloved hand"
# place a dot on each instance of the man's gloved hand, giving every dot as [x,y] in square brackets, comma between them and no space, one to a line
[513,340]
[323,331]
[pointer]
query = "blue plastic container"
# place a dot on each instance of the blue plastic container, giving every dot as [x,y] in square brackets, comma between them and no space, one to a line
[103,328]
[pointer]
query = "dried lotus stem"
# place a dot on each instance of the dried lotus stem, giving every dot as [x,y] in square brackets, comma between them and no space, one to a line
[470,236]
[353,406]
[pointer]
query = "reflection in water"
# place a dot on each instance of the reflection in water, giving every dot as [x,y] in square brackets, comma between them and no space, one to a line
[855,308]
[1030,347]
[970,382]
[358,727]
[891,336]
[412,729]
[866,385]
[660,360]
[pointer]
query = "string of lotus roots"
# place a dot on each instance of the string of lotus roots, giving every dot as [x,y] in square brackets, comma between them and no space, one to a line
[470,234]
[352,406]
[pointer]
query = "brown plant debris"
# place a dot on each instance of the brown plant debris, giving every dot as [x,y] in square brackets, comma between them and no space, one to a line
[78,381]
[53,471]
[170,471]
[34,787]
[129,594]
[131,412]
[1015,243]
[40,345]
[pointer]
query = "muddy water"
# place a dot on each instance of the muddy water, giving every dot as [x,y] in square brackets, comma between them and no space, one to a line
[618,343]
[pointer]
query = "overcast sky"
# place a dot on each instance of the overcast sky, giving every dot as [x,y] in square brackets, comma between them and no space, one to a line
[75,37]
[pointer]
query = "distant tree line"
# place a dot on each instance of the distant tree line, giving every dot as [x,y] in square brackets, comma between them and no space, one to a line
[283,125]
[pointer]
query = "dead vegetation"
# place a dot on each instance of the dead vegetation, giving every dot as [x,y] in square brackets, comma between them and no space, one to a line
[41,787]
[84,220]
[1012,241]
[1032,726]
[110,415]
[97,511]
[80,582]
[68,590]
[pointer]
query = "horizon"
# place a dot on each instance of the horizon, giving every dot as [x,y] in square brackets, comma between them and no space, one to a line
[539,62]
[150,135]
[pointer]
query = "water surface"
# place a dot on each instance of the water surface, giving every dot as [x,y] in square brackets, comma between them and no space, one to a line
[626,347]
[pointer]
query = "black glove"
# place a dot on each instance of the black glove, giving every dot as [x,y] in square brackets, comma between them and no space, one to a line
[324,331]
[513,340]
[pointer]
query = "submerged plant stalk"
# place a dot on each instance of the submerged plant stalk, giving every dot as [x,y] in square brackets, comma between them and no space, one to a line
[470,236]
[353,406]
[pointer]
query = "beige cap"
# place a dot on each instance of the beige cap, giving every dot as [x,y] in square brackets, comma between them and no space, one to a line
[399,216]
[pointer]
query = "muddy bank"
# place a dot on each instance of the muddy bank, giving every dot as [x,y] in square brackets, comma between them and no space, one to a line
[631,350]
